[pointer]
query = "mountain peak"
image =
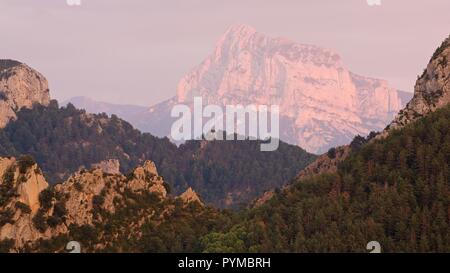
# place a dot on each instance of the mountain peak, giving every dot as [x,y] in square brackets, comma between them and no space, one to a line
[322,104]
[241,29]
[238,37]
[190,196]
[21,86]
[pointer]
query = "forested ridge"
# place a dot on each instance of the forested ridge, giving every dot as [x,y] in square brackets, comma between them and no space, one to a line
[395,191]
[63,139]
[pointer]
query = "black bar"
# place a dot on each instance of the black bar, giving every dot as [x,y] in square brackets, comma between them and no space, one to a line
[131,263]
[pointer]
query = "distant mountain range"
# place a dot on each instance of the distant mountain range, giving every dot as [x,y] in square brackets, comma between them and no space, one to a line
[131,113]
[322,104]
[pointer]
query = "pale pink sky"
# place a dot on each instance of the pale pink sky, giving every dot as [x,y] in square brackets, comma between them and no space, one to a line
[135,51]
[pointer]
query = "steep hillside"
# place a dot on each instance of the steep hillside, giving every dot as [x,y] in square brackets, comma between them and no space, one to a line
[395,191]
[224,173]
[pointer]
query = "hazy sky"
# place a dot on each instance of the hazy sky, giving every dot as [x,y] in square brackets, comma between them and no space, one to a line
[135,51]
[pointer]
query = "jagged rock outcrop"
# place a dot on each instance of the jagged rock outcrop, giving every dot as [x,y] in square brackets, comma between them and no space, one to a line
[111,166]
[141,177]
[190,196]
[432,90]
[27,180]
[86,186]
[322,104]
[20,186]
[20,86]
[27,184]
[31,210]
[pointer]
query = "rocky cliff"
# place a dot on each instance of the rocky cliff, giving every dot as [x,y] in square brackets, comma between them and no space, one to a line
[432,90]
[20,186]
[31,210]
[190,196]
[20,86]
[322,104]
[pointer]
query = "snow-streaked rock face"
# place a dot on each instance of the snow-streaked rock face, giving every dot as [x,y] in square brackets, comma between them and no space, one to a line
[20,86]
[322,104]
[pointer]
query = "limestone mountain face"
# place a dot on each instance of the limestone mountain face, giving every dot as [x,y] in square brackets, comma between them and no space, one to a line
[20,86]
[322,104]
[20,185]
[31,209]
[432,90]
[27,179]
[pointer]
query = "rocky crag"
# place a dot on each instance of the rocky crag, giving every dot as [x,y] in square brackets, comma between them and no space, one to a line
[31,210]
[20,86]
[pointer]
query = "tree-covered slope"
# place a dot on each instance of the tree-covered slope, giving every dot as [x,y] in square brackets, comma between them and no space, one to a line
[395,191]
[61,140]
